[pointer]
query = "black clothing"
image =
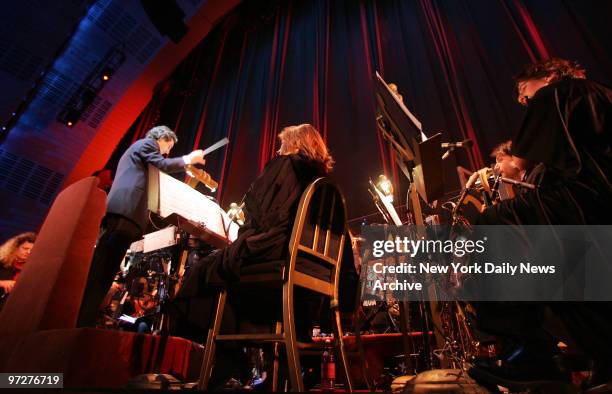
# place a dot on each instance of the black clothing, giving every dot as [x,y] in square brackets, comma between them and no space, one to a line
[568,129]
[270,206]
[116,235]
[125,220]
[128,195]
[6,273]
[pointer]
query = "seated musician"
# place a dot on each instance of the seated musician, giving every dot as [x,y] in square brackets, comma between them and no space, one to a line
[567,132]
[270,206]
[504,163]
[126,212]
[13,255]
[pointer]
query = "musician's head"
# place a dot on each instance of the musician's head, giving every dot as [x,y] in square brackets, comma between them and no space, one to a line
[165,138]
[17,249]
[505,163]
[540,74]
[305,140]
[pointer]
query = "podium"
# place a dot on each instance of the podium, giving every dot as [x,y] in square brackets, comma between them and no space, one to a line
[38,331]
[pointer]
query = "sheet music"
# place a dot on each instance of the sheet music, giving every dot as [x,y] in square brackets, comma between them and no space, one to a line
[160,239]
[178,197]
[404,108]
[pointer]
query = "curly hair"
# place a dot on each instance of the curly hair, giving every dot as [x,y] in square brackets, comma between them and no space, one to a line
[10,246]
[505,148]
[162,132]
[305,140]
[555,68]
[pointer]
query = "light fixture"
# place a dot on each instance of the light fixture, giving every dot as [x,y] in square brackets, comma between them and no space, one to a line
[385,186]
[107,73]
[88,92]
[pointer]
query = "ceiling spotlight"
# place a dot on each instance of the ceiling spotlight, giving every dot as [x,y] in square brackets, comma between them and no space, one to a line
[69,124]
[107,73]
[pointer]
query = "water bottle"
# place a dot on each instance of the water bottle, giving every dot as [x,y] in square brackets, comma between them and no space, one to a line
[328,367]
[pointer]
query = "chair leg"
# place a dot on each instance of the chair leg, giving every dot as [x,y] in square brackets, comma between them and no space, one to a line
[362,359]
[276,354]
[291,346]
[404,313]
[209,349]
[342,352]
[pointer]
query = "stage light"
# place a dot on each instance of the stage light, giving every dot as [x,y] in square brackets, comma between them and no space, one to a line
[107,73]
[385,186]
[69,118]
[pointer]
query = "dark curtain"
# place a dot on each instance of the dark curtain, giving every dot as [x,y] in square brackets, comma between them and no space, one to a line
[276,63]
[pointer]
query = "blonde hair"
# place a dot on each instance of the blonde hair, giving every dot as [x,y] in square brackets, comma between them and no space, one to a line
[10,246]
[305,140]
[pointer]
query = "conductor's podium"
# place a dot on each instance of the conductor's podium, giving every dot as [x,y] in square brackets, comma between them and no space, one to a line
[38,331]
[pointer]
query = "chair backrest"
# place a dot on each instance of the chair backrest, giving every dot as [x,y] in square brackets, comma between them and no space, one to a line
[317,240]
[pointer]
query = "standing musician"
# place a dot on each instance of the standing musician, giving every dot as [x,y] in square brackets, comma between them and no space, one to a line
[566,138]
[126,212]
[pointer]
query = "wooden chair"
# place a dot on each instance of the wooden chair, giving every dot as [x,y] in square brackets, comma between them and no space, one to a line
[314,261]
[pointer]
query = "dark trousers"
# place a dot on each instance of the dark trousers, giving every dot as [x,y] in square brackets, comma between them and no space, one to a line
[116,235]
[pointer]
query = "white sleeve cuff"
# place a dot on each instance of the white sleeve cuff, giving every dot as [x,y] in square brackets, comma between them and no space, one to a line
[186,160]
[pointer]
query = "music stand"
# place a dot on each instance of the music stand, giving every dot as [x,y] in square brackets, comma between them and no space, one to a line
[420,159]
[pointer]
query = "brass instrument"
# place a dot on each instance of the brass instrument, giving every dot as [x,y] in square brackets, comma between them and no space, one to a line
[483,189]
[236,214]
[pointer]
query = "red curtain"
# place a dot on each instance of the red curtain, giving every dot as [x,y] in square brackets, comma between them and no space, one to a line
[272,64]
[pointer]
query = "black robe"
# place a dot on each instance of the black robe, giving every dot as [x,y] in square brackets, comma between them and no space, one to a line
[270,207]
[568,129]
[567,133]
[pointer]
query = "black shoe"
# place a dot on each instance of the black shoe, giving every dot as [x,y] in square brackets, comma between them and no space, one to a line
[539,377]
